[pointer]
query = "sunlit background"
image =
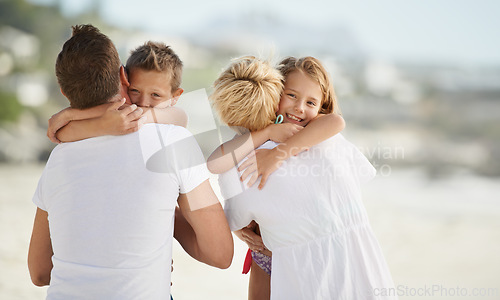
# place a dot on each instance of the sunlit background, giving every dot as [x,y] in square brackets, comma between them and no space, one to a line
[418,83]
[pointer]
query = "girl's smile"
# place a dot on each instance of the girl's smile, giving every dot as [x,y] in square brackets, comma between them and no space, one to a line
[301,99]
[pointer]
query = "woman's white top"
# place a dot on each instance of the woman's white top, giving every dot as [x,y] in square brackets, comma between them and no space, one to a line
[312,218]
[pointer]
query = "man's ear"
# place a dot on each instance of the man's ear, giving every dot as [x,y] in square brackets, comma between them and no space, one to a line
[62,92]
[124,76]
[178,92]
[124,84]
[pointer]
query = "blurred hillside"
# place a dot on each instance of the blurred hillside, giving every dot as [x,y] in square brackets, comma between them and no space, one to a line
[442,117]
[30,38]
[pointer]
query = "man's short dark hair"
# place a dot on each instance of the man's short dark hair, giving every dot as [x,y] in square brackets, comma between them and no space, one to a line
[88,68]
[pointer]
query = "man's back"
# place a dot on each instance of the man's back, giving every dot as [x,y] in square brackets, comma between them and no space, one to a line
[111,218]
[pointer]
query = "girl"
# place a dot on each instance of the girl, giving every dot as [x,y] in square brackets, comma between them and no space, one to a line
[315,224]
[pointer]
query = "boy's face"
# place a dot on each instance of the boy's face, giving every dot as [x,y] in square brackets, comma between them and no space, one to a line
[150,88]
[301,99]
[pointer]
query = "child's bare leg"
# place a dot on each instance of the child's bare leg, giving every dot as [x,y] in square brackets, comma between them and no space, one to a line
[259,285]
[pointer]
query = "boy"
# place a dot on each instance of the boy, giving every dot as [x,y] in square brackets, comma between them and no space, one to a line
[154,77]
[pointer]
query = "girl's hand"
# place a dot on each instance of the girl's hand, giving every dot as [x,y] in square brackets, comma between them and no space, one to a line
[279,133]
[253,240]
[262,162]
[58,121]
[121,118]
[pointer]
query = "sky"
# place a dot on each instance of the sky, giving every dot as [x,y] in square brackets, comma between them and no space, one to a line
[448,31]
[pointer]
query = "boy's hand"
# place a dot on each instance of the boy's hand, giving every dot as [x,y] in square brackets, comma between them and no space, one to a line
[56,122]
[121,118]
[262,162]
[279,133]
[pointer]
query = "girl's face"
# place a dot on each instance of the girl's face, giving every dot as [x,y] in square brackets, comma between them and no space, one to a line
[301,99]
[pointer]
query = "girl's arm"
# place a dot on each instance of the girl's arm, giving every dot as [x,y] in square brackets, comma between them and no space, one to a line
[230,153]
[267,161]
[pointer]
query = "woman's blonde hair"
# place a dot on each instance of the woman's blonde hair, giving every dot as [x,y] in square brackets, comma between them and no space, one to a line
[247,93]
[313,68]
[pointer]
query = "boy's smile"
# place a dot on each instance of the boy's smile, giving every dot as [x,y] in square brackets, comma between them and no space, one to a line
[301,99]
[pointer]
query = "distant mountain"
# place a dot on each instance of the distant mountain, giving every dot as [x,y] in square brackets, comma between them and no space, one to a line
[259,32]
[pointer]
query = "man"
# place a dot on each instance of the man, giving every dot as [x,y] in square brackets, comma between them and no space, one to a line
[104,223]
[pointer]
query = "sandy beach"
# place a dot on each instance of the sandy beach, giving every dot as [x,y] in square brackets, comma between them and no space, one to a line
[441,239]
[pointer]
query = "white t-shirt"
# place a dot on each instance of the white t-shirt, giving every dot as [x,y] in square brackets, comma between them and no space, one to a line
[110,202]
[312,218]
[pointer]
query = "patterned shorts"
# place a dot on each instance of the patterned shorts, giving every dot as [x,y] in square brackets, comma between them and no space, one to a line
[263,261]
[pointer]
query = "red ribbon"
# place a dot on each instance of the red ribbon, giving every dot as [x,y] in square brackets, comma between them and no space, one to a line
[248,262]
